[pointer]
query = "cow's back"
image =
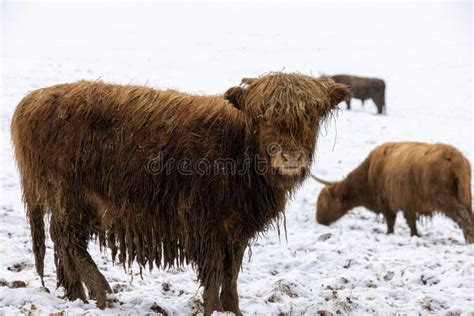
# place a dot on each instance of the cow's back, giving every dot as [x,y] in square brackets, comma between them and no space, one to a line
[412,176]
[80,134]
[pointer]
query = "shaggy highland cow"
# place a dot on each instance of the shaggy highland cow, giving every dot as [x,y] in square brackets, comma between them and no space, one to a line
[89,155]
[416,178]
[364,89]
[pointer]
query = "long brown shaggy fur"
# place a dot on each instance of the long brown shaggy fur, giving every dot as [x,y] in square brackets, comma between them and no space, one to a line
[363,89]
[84,151]
[417,178]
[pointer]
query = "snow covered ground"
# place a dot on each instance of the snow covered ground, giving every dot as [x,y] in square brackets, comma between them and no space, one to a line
[423,51]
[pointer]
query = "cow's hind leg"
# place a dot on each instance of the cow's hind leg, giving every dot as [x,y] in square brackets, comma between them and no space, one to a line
[232,263]
[36,218]
[380,108]
[66,272]
[379,101]
[76,265]
[90,275]
[85,265]
[410,217]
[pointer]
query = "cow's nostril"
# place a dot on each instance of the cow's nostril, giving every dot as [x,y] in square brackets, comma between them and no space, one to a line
[292,156]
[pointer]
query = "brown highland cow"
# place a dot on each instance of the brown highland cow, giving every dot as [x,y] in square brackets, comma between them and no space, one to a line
[416,178]
[89,154]
[364,89]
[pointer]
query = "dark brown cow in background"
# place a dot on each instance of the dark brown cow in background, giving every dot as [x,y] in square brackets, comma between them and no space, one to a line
[364,89]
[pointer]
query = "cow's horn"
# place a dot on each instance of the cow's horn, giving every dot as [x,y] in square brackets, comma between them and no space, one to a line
[321,180]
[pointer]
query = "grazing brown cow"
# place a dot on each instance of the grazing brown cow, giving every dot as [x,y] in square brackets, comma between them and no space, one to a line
[164,177]
[364,89]
[416,178]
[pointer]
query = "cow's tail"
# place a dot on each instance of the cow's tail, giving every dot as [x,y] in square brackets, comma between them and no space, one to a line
[27,167]
[461,170]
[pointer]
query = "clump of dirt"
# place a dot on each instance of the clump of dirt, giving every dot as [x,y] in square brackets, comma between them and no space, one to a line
[429,279]
[280,289]
[388,276]
[348,264]
[17,267]
[431,305]
[165,286]
[17,284]
[324,237]
[29,309]
[119,287]
[343,307]
[158,309]
[197,306]
[14,284]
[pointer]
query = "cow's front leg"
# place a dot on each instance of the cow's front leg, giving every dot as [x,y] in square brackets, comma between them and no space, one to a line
[232,264]
[209,256]
[348,103]
[390,219]
[211,299]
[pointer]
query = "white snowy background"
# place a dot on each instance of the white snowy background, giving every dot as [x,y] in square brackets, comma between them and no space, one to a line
[422,51]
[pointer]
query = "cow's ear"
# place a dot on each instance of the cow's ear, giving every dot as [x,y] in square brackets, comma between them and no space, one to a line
[338,93]
[235,96]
